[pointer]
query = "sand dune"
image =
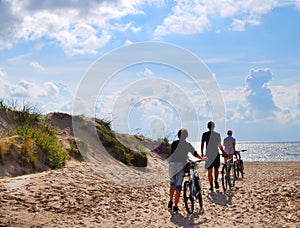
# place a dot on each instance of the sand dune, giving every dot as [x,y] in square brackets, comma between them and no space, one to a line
[76,196]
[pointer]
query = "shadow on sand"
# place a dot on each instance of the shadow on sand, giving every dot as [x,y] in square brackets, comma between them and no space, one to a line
[221,198]
[188,221]
[193,220]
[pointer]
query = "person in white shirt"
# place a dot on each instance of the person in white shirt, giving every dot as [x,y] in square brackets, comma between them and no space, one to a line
[229,146]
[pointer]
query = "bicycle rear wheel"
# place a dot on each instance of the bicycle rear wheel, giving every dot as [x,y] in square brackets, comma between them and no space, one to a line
[232,177]
[187,198]
[237,169]
[241,169]
[224,178]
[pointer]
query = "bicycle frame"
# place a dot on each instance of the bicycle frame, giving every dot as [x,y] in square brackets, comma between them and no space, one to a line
[239,163]
[192,189]
[228,180]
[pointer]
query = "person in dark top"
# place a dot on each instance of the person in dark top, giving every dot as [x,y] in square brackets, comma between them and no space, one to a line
[177,161]
[212,140]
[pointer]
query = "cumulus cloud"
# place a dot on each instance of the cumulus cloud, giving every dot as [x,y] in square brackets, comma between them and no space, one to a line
[37,66]
[8,25]
[78,27]
[147,72]
[49,96]
[240,24]
[190,17]
[25,89]
[183,24]
[259,95]
[298,101]
[2,74]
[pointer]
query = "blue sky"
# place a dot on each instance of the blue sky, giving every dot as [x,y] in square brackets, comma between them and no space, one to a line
[251,47]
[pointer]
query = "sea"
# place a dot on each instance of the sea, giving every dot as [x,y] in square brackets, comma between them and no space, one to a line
[267,151]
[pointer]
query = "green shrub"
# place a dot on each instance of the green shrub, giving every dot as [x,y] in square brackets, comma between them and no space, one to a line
[25,113]
[111,143]
[47,142]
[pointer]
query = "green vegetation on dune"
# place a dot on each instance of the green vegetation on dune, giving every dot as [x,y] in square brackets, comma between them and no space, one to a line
[116,148]
[45,139]
[32,142]
[28,123]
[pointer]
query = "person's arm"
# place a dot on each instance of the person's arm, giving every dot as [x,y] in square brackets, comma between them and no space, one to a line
[202,147]
[197,155]
[233,145]
[222,149]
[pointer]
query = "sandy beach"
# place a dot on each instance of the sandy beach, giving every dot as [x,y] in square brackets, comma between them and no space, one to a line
[75,196]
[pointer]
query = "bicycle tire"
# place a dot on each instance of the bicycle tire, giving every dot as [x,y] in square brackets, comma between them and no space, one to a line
[237,169]
[189,204]
[242,168]
[232,176]
[199,194]
[224,179]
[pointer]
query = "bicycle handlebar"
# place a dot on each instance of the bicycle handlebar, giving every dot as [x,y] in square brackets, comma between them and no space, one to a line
[194,159]
[240,150]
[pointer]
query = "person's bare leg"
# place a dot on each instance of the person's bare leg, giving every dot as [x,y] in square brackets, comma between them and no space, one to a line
[177,196]
[172,190]
[216,174]
[210,179]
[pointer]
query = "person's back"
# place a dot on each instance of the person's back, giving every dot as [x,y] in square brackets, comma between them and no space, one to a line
[179,151]
[212,140]
[229,145]
[177,161]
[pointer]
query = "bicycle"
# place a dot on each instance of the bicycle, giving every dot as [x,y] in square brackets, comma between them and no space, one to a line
[228,175]
[238,164]
[192,188]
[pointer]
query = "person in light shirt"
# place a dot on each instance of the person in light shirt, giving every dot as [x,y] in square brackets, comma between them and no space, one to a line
[229,146]
[177,162]
[213,143]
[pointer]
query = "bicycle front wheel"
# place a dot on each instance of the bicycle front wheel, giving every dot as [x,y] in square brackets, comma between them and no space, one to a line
[187,197]
[224,178]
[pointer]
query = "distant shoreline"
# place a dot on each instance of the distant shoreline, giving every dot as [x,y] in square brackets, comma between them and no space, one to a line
[257,142]
[266,142]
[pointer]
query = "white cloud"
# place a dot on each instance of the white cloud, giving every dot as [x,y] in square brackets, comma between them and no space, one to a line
[135,29]
[78,27]
[2,74]
[147,72]
[191,17]
[37,66]
[298,101]
[25,89]
[128,42]
[19,57]
[183,24]
[240,24]
[49,96]
[51,89]
[261,101]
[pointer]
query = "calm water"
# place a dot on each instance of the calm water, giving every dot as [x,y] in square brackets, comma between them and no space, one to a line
[268,151]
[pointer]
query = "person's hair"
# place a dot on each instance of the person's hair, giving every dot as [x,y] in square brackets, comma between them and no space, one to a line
[182,133]
[229,132]
[210,125]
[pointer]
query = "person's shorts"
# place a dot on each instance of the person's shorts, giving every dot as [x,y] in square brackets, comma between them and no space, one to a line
[176,173]
[215,164]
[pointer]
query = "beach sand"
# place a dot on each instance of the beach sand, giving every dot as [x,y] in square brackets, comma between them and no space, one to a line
[75,196]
